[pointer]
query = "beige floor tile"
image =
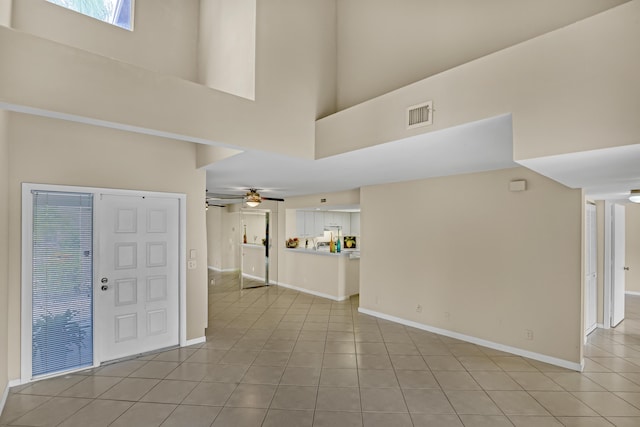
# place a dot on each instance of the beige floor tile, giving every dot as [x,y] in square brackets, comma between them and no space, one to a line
[225,373]
[612,381]
[192,416]
[272,358]
[345,399]
[131,389]
[562,404]
[337,419]
[153,369]
[433,420]
[517,403]
[52,386]
[371,419]
[306,360]
[294,398]
[294,375]
[263,375]
[339,377]
[537,381]
[374,361]
[188,372]
[371,348]
[252,396]
[206,355]
[281,418]
[472,402]
[169,391]
[121,369]
[378,378]
[616,364]
[91,387]
[443,363]
[176,355]
[625,421]
[485,421]
[454,380]
[52,412]
[427,401]
[382,400]
[584,422]
[574,381]
[513,364]
[339,361]
[417,379]
[97,414]
[211,394]
[478,363]
[144,414]
[607,404]
[19,404]
[492,380]
[534,421]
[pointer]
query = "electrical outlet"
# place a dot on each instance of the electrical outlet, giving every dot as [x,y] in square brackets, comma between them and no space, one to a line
[528,334]
[191,264]
[418,308]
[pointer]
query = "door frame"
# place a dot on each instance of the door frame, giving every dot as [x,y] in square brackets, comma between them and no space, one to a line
[26,264]
[609,262]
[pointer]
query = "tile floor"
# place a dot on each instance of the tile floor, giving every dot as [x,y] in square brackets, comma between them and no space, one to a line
[275,357]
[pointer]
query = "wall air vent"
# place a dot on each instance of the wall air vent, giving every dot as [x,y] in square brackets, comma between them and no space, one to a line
[420,115]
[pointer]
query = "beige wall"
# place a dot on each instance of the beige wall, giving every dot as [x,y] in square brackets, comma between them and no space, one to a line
[51,151]
[164,37]
[214,237]
[295,84]
[498,262]
[227,46]
[4,247]
[547,83]
[5,12]
[432,36]
[632,250]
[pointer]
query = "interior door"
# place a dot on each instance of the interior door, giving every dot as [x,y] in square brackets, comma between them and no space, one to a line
[591,290]
[137,286]
[618,262]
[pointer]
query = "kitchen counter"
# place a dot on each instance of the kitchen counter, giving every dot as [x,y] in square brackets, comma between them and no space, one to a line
[351,253]
[329,275]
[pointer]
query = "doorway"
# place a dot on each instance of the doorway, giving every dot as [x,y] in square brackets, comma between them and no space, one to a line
[591,285]
[258,257]
[614,265]
[102,276]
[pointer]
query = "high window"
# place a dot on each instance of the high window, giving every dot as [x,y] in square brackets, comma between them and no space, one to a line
[115,12]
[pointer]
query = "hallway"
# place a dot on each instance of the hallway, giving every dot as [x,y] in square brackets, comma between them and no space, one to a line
[277,357]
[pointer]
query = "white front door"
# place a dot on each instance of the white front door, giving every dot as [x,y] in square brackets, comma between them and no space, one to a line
[618,262]
[137,284]
[591,286]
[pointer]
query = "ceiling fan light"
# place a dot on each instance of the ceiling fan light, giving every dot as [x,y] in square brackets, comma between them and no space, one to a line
[253,199]
[634,197]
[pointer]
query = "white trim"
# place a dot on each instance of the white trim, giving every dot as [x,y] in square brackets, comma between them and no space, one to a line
[3,398]
[607,265]
[27,220]
[316,293]
[634,293]
[194,341]
[223,270]
[15,383]
[479,341]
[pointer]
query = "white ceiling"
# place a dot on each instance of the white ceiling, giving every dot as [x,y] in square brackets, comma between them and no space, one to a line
[473,147]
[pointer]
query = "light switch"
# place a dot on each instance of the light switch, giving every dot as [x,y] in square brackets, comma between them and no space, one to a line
[192,254]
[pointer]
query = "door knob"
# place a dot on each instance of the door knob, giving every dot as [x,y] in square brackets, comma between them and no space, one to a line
[626,268]
[104,287]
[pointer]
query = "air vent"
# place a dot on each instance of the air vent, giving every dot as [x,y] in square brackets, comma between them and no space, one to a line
[420,115]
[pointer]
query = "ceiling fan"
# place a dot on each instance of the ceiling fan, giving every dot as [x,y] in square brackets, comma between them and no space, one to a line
[252,198]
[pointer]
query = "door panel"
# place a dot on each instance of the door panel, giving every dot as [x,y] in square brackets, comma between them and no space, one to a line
[591,291]
[617,276]
[138,287]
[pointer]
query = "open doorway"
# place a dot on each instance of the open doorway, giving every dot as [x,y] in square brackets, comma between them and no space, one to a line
[258,255]
[614,264]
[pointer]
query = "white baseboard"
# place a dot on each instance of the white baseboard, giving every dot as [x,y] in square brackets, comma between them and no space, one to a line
[195,341]
[632,293]
[479,341]
[315,293]
[3,398]
[222,270]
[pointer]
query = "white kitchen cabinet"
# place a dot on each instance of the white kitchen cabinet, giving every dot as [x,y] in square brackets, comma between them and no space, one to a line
[299,223]
[319,220]
[309,224]
[345,222]
[355,224]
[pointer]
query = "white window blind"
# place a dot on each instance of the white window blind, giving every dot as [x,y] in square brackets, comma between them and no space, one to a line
[62,274]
